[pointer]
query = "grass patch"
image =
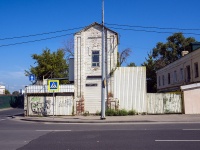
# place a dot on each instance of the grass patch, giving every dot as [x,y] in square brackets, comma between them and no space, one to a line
[122,112]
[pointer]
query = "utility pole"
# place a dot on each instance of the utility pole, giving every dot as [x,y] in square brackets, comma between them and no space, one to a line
[103,79]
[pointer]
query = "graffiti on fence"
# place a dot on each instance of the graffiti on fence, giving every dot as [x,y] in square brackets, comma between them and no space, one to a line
[161,103]
[172,103]
[65,103]
[39,106]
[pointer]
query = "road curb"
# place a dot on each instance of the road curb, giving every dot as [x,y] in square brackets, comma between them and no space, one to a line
[3,109]
[102,121]
[83,121]
[109,119]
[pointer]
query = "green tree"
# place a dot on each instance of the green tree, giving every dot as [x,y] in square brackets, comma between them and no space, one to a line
[15,93]
[49,65]
[150,73]
[166,53]
[131,64]
[7,92]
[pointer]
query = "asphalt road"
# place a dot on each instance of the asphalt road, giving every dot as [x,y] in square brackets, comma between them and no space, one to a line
[10,112]
[15,134]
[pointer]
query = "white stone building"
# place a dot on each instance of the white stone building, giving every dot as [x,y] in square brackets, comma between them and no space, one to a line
[2,89]
[87,65]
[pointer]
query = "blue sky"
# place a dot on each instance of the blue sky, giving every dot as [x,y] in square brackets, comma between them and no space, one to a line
[28,17]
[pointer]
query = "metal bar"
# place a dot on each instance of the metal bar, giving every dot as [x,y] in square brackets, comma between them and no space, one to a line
[53,103]
[103,68]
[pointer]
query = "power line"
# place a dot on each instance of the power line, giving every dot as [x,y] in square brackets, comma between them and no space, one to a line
[162,28]
[150,30]
[24,36]
[131,28]
[35,40]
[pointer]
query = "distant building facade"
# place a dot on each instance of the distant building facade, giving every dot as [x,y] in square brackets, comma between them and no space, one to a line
[183,76]
[2,89]
[21,91]
[181,72]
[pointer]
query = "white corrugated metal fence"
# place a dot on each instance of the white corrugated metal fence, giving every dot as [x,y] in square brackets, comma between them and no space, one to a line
[130,88]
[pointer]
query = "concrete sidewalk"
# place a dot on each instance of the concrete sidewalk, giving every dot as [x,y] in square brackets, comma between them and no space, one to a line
[179,118]
[3,109]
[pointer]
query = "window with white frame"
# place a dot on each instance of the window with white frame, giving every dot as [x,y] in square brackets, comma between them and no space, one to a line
[95,58]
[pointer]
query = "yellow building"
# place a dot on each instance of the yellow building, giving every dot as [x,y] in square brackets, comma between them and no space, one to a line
[184,71]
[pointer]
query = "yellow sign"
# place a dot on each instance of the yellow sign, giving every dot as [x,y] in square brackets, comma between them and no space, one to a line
[53,85]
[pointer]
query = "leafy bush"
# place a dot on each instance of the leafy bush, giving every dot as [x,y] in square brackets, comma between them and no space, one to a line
[132,112]
[110,112]
[122,112]
[86,113]
[17,101]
